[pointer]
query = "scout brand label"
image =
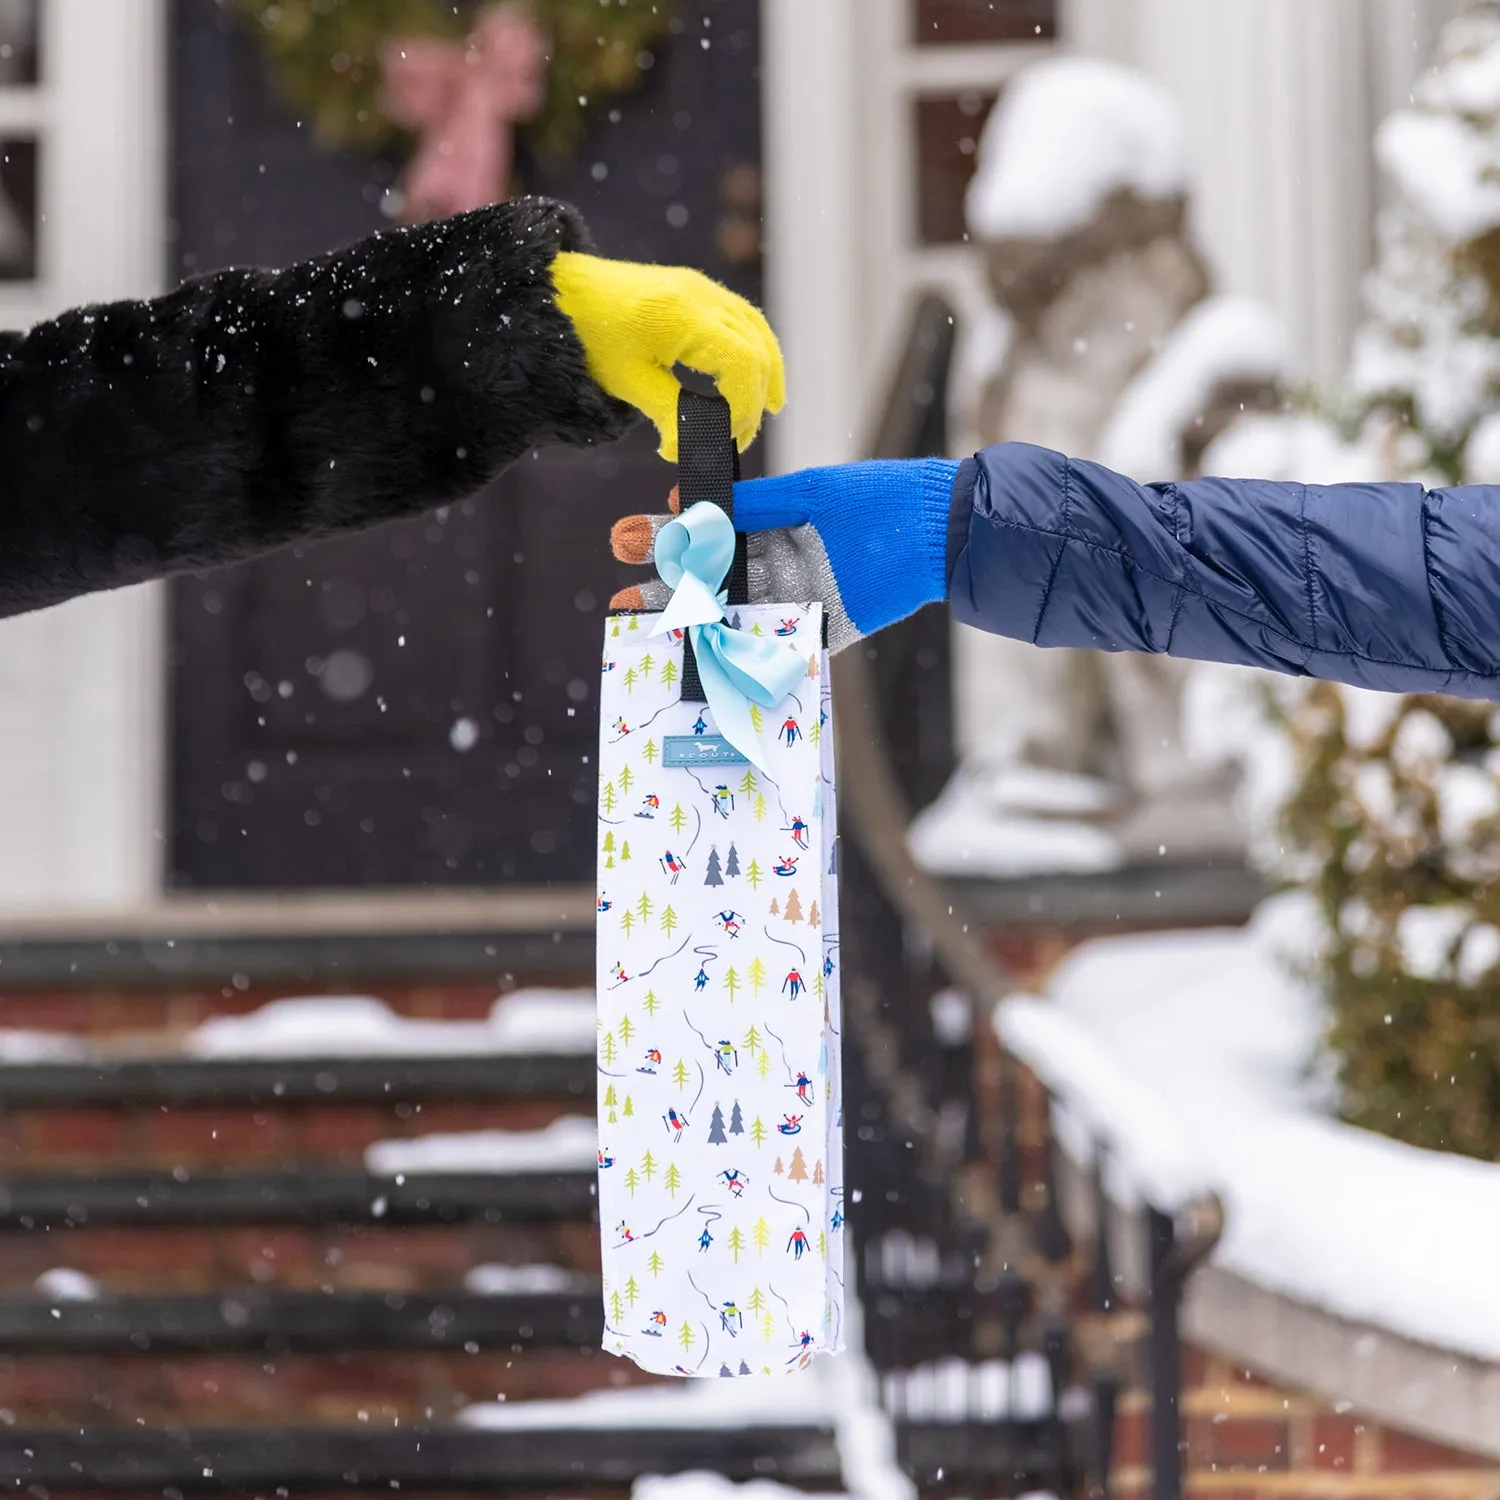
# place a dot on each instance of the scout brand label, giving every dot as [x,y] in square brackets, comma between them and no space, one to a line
[721,1201]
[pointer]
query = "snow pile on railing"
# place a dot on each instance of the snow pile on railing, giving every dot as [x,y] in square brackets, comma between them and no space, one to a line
[1194,1058]
[568,1144]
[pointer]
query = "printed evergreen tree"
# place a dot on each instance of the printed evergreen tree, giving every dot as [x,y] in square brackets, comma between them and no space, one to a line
[813,918]
[754,874]
[647,662]
[654,1263]
[627,1030]
[823,1254]
[775,907]
[732,864]
[716,1136]
[760,807]
[632,622]
[649,1003]
[609,1104]
[763,1065]
[685,1335]
[767,1326]
[668,921]
[736,1243]
[749,786]
[632,1291]
[627,920]
[757,718]
[756,974]
[736,1119]
[616,1309]
[793,911]
[815,732]
[627,778]
[756,1302]
[632,1180]
[677,818]
[668,672]
[760,1233]
[680,1074]
[797,1170]
[629,1108]
[607,1050]
[644,907]
[624,851]
[744,1368]
[608,797]
[630,679]
[817,1175]
[756,630]
[758,1131]
[673,1179]
[812,665]
[778,1170]
[648,1165]
[649,751]
[715,874]
[752,1040]
[731,982]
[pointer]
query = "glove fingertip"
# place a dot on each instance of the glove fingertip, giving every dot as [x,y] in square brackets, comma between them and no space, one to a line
[630,598]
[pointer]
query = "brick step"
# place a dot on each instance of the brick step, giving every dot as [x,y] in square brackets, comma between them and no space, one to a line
[279,1321]
[340,1257]
[313,1460]
[261,1389]
[52,1201]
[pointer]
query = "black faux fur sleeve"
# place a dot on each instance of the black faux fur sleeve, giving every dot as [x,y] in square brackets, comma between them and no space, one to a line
[249,409]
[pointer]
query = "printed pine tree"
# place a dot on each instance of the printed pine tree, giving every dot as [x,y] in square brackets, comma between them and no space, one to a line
[761,1234]
[668,921]
[627,920]
[630,679]
[732,863]
[685,1335]
[767,1326]
[775,907]
[757,718]
[736,1243]
[813,918]
[817,1176]
[616,1309]
[812,665]
[673,1179]
[756,974]
[716,1136]
[731,982]
[609,1104]
[822,1247]
[632,623]
[758,1131]
[627,1030]
[757,1301]
[680,1074]
[752,1040]
[608,798]
[632,1291]
[649,1003]
[736,1119]
[624,851]
[607,1049]
[763,1064]
[632,1180]
[669,672]
[778,1169]
[648,1166]
[654,1263]
[648,750]
[677,818]
[627,778]
[647,662]
[815,732]
[748,784]
[793,911]
[760,807]
[629,1108]
[797,1170]
[754,875]
[714,875]
[644,907]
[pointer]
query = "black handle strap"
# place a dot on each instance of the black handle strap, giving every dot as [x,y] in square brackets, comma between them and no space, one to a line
[708,463]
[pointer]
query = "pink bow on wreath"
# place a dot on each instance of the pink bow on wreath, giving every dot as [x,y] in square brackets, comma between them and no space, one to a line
[464,99]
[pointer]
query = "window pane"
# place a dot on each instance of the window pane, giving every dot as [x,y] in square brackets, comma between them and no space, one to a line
[940,21]
[947,137]
[17,209]
[18,41]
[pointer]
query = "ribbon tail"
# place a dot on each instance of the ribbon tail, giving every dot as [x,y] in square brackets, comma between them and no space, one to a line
[731,708]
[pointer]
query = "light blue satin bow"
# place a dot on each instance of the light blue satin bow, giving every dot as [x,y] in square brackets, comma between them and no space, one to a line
[693,554]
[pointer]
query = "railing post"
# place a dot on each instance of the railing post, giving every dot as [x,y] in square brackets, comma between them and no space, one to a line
[1165,1358]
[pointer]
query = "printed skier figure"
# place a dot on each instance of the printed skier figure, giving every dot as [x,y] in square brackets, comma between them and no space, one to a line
[731,1319]
[827,965]
[836,1223]
[675,1122]
[621,728]
[730,921]
[798,1245]
[798,831]
[787,627]
[790,1125]
[790,732]
[700,978]
[603,904]
[619,975]
[786,865]
[723,800]
[726,1057]
[804,1088]
[792,985]
[658,1322]
[735,1181]
[700,724]
[803,1344]
[672,865]
[653,1061]
[705,1239]
[650,804]
[605,1159]
[623,1230]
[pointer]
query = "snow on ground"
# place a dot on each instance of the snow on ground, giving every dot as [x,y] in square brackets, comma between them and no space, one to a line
[531,1020]
[1066,135]
[1221,340]
[513,1281]
[42,1047]
[700,1484]
[1195,1056]
[1003,823]
[568,1144]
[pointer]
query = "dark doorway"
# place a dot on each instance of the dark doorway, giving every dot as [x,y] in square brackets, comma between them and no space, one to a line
[419,705]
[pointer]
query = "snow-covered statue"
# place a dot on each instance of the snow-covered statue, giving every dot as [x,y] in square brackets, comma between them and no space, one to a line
[1105,342]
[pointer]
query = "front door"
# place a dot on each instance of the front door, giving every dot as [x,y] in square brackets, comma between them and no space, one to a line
[419,704]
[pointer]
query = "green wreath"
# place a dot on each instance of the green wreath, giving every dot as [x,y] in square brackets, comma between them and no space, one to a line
[325,54]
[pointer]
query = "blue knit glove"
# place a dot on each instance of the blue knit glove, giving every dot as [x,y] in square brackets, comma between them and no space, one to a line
[869,540]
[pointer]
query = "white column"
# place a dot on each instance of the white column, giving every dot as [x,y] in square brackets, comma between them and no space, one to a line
[82,731]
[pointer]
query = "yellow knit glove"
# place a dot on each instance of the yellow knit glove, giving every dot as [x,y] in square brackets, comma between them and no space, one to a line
[635,322]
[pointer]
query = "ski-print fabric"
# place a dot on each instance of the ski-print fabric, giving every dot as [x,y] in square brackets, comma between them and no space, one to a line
[721,1198]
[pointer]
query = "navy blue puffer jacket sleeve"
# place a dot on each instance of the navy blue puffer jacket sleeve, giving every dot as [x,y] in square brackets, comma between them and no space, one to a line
[1385,586]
